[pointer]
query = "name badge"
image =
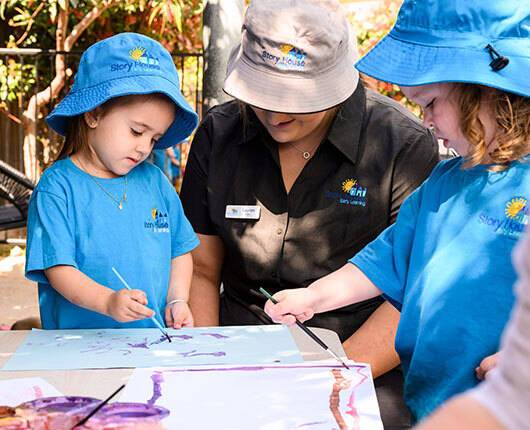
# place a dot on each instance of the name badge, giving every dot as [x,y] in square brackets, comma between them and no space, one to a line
[242,212]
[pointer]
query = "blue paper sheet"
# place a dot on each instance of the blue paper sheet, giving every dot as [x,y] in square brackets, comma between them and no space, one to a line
[104,349]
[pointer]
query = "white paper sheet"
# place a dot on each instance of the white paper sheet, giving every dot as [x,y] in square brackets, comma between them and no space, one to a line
[314,396]
[16,391]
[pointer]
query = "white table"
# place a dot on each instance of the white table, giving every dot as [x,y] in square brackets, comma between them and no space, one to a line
[100,382]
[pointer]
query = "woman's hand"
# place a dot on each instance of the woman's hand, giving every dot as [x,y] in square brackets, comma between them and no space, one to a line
[179,315]
[128,305]
[486,365]
[297,304]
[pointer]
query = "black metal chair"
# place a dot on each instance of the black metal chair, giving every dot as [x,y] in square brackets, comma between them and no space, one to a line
[16,189]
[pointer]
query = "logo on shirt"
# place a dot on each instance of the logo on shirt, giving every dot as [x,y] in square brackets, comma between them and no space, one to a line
[352,193]
[158,222]
[140,60]
[292,58]
[515,220]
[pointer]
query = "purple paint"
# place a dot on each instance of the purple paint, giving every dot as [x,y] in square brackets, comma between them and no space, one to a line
[175,336]
[194,353]
[63,412]
[314,423]
[59,404]
[157,379]
[216,335]
[142,345]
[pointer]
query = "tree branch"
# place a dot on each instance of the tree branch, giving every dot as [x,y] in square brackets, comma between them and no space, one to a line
[88,19]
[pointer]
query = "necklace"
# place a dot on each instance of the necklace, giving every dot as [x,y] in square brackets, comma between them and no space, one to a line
[306,154]
[118,202]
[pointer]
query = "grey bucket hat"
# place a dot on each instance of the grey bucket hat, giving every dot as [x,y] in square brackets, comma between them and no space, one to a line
[295,56]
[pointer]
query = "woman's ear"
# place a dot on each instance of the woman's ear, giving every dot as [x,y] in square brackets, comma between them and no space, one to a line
[92,118]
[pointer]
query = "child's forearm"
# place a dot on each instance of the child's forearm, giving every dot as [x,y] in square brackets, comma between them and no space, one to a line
[79,289]
[343,287]
[180,278]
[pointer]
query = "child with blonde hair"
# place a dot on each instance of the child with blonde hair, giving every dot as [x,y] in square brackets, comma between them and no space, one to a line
[445,263]
[101,206]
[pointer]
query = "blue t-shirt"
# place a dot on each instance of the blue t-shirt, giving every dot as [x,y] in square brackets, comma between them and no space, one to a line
[73,222]
[446,263]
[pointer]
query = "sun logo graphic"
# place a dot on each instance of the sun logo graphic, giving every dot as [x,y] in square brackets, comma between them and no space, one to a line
[348,184]
[154,213]
[286,48]
[517,209]
[137,53]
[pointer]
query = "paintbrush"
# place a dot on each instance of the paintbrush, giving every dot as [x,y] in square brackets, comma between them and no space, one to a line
[157,323]
[98,407]
[308,332]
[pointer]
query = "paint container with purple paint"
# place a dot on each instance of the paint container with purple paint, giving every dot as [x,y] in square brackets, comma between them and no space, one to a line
[125,416]
[59,413]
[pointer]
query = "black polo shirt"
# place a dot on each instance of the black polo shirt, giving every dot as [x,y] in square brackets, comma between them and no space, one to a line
[375,154]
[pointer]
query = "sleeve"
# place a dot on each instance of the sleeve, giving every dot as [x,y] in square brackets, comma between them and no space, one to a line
[506,391]
[183,238]
[194,192]
[413,165]
[385,261]
[50,235]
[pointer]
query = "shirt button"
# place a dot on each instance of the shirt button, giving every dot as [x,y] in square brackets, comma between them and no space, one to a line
[279,231]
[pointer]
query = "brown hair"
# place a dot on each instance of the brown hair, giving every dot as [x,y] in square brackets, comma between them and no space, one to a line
[76,133]
[512,118]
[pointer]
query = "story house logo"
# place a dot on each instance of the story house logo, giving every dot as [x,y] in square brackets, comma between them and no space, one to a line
[352,193]
[158,222]
[515,221]
[291,58]
[140,60]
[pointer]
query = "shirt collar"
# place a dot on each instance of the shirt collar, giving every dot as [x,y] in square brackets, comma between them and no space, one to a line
[345,132]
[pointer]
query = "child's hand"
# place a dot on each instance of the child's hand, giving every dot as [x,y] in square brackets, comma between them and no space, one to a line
[179,315]
[297,304]
[128,305]
[489,363]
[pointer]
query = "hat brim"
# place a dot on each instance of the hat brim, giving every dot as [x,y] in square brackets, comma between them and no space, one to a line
[87,99]
[408,64]
[286,93]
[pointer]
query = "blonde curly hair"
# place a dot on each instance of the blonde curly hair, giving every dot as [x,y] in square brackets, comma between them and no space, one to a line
[512,117]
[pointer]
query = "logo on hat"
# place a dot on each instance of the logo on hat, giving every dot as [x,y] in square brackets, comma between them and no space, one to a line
[141,61]
[292,58]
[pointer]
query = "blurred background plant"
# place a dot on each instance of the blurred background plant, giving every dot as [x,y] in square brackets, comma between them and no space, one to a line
[31,85]
[371,22]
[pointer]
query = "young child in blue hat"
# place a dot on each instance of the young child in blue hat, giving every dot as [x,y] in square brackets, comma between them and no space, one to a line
[445,264]
[101,206]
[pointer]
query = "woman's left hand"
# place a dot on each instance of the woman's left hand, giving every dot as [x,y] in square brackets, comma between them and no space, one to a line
[179,315]
[486,365]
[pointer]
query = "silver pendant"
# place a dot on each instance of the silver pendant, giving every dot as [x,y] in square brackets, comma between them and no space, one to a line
[306,155]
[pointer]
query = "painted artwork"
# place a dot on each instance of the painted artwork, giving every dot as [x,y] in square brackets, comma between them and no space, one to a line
[19,390]
[313,396]
[64,412]
[104,349]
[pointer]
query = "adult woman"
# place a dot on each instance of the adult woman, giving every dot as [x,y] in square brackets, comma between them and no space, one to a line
[304,169]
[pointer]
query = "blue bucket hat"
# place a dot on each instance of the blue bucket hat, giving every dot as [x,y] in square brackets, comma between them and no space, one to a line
[125,64]
[484,42]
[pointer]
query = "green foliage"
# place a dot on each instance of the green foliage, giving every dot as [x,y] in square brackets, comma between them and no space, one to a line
[177,24]
[15,79]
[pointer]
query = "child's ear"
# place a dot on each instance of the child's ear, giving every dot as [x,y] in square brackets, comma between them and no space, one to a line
[92,118]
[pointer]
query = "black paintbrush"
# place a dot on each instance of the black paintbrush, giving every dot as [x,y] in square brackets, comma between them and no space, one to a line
[98,407]
[308,332]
